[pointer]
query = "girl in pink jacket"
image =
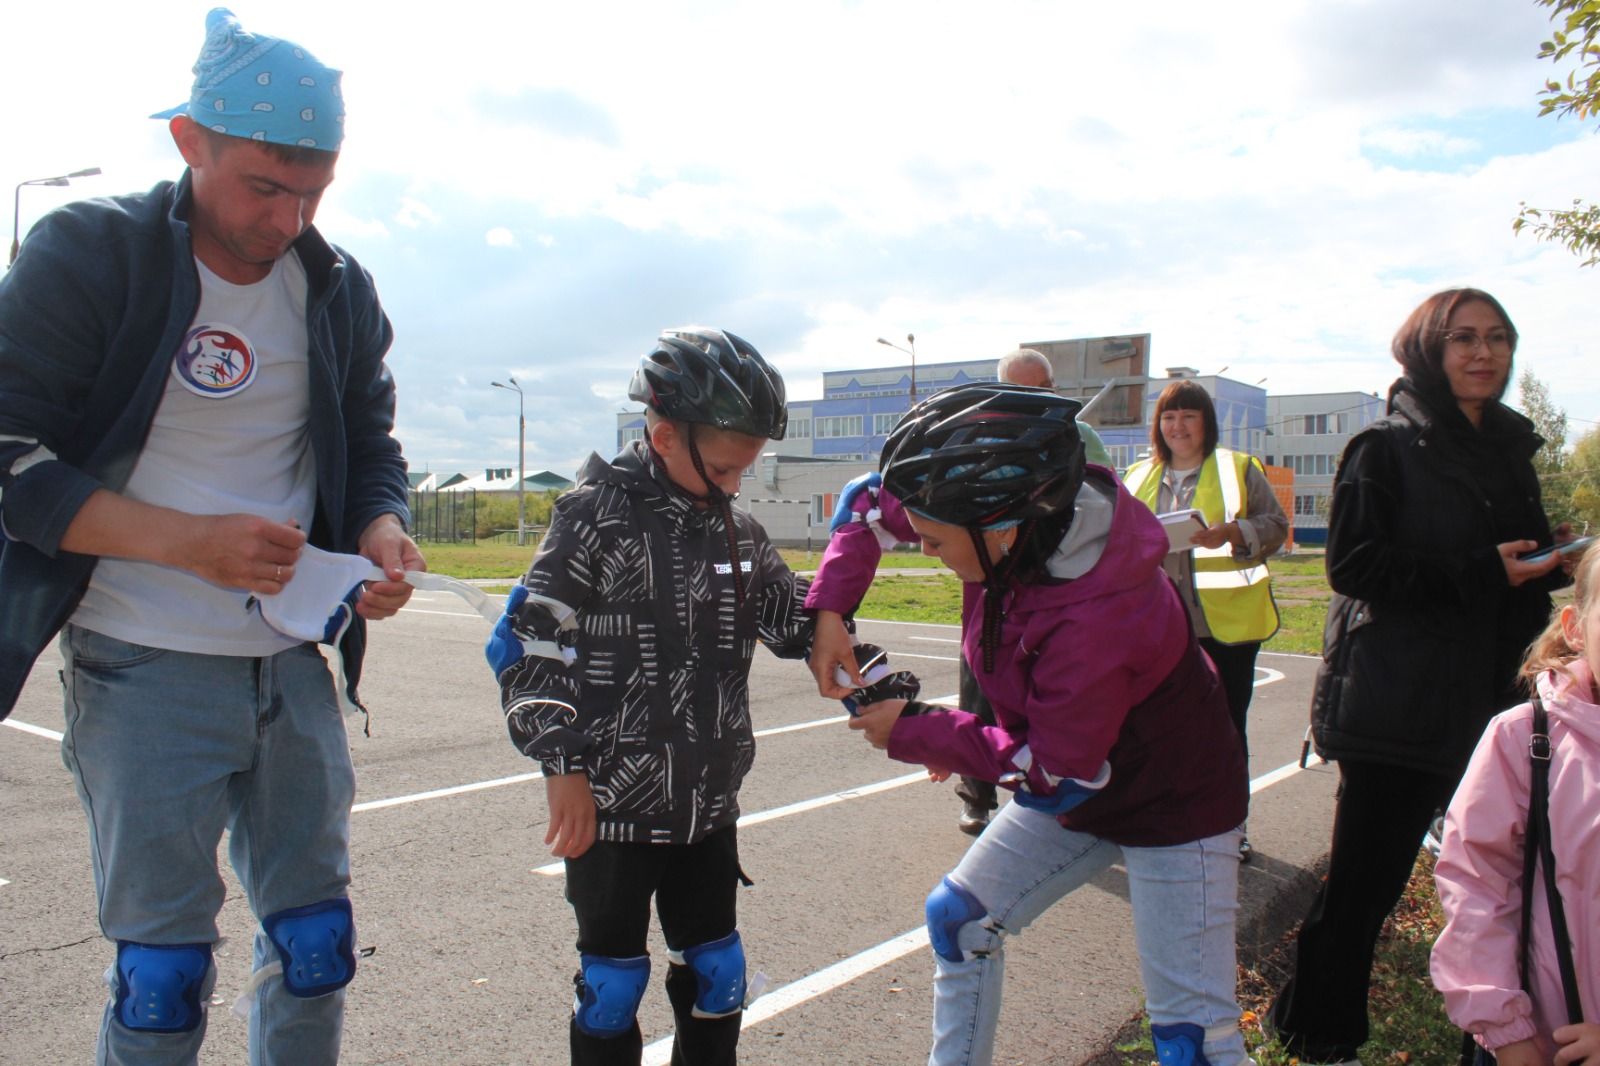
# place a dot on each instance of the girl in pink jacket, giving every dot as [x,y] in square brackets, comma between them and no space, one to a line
[1476,960]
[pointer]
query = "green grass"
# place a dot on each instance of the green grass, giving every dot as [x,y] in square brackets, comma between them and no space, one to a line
[478,560]
[1409,1026]
[1297,583]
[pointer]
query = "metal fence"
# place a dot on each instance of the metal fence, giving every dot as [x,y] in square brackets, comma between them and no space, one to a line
[451,517]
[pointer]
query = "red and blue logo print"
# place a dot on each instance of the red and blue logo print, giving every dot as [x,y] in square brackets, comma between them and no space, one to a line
[215,361]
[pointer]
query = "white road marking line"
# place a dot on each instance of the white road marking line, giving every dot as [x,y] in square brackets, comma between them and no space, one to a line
[449,614]
[1293,655]
[939,640]
[888,622]
[477,786]
[1272,675]
[554,869]
[843,972]
[817,984]
[38,731]
[417,797]
[914,655]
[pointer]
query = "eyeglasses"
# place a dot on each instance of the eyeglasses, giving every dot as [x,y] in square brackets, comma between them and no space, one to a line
[1499,341]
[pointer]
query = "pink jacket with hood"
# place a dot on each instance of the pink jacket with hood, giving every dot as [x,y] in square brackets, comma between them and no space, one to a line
[1096,665]
[1479,872]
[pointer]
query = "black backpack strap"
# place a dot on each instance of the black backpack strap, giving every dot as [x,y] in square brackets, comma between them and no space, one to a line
[1538,836]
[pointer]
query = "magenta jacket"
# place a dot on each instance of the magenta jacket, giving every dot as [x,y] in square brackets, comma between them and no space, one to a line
[1101,668]
[1479,872]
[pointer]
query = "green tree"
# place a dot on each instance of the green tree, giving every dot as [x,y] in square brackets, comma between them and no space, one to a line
[1578,39]
[1549,420]
[1582,476]
[1550,460]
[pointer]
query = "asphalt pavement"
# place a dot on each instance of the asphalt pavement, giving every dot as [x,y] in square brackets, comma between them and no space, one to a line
[472,940]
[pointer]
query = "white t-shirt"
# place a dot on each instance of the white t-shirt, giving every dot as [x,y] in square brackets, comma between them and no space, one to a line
[231,435]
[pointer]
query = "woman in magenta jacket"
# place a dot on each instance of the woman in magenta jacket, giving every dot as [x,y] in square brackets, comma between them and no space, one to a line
[1111,726]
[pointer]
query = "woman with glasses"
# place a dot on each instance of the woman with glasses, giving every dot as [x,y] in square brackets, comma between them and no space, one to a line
[1431,612]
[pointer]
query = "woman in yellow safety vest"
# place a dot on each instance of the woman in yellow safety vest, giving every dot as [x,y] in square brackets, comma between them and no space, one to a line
[1224,579]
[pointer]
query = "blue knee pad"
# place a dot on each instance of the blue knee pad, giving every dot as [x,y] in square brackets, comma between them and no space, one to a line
[317,945]
[719,972]
[609,991]
[1179,1044]
[159,986]
[949,908]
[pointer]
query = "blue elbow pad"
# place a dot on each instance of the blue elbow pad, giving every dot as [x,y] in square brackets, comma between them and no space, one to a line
[505,647]
[159,987]
[844,512]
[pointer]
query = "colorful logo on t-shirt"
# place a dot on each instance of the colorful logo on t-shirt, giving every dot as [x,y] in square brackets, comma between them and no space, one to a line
[215,361]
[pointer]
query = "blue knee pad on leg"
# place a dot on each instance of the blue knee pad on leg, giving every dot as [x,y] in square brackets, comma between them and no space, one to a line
[159,986]
[718,968]
[1179,1044]
[609,991]
[316,945]
[949,908]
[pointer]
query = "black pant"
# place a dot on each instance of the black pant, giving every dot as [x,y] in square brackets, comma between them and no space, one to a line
[694,885]
[975,791]
[1381,812]
[1236,666]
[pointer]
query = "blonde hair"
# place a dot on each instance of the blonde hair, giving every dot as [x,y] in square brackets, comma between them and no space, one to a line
[1550,650]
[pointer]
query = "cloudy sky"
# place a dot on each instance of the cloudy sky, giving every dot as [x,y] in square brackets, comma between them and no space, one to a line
[540,187]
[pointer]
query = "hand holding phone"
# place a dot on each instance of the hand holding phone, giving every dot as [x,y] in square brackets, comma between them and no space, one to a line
[1571,547]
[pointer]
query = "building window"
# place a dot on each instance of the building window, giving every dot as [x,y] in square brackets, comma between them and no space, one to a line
[1305,506]
[822,507]
[882,424]
[838,426]
[799,429]
[631,435]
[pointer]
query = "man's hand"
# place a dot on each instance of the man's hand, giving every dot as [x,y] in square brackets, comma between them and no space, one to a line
[241,551]
[572,815]
[831,650]
[877,720]
[234,551]
[385,542]
[1579,1044]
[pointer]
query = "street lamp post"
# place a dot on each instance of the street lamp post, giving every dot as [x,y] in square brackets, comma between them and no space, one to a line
[911,339]
[522,476]
[16,203]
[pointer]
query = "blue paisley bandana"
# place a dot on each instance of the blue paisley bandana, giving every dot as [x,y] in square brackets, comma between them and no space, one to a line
[262,88]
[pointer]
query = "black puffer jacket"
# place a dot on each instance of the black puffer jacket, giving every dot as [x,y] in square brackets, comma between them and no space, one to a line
[1424,633]
[654,704]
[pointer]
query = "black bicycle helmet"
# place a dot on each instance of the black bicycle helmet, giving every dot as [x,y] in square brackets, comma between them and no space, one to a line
[978,455]
[711,377]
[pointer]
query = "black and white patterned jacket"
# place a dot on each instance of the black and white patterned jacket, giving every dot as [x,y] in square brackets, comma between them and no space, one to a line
[636,654]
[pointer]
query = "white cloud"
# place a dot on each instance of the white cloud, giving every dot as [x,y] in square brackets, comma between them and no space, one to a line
[1249,183]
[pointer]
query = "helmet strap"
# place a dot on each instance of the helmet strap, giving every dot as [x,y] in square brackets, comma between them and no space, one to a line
[996,579]
[718,499]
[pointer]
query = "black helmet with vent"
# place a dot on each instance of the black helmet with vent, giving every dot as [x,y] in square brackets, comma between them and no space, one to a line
[980,455]
[711,377]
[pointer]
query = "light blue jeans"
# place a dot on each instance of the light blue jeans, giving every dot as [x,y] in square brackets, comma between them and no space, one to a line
[1184,902]
[168,749]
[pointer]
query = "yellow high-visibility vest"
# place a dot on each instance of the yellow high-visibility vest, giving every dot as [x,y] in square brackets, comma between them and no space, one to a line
[1236,594]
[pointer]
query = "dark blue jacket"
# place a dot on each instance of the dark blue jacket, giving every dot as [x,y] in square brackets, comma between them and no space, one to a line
[90,315]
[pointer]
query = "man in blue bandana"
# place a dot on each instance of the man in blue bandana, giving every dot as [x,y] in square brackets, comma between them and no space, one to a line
[192,388]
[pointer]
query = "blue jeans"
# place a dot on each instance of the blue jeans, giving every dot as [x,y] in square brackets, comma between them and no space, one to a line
[1184,902]
[168,749]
